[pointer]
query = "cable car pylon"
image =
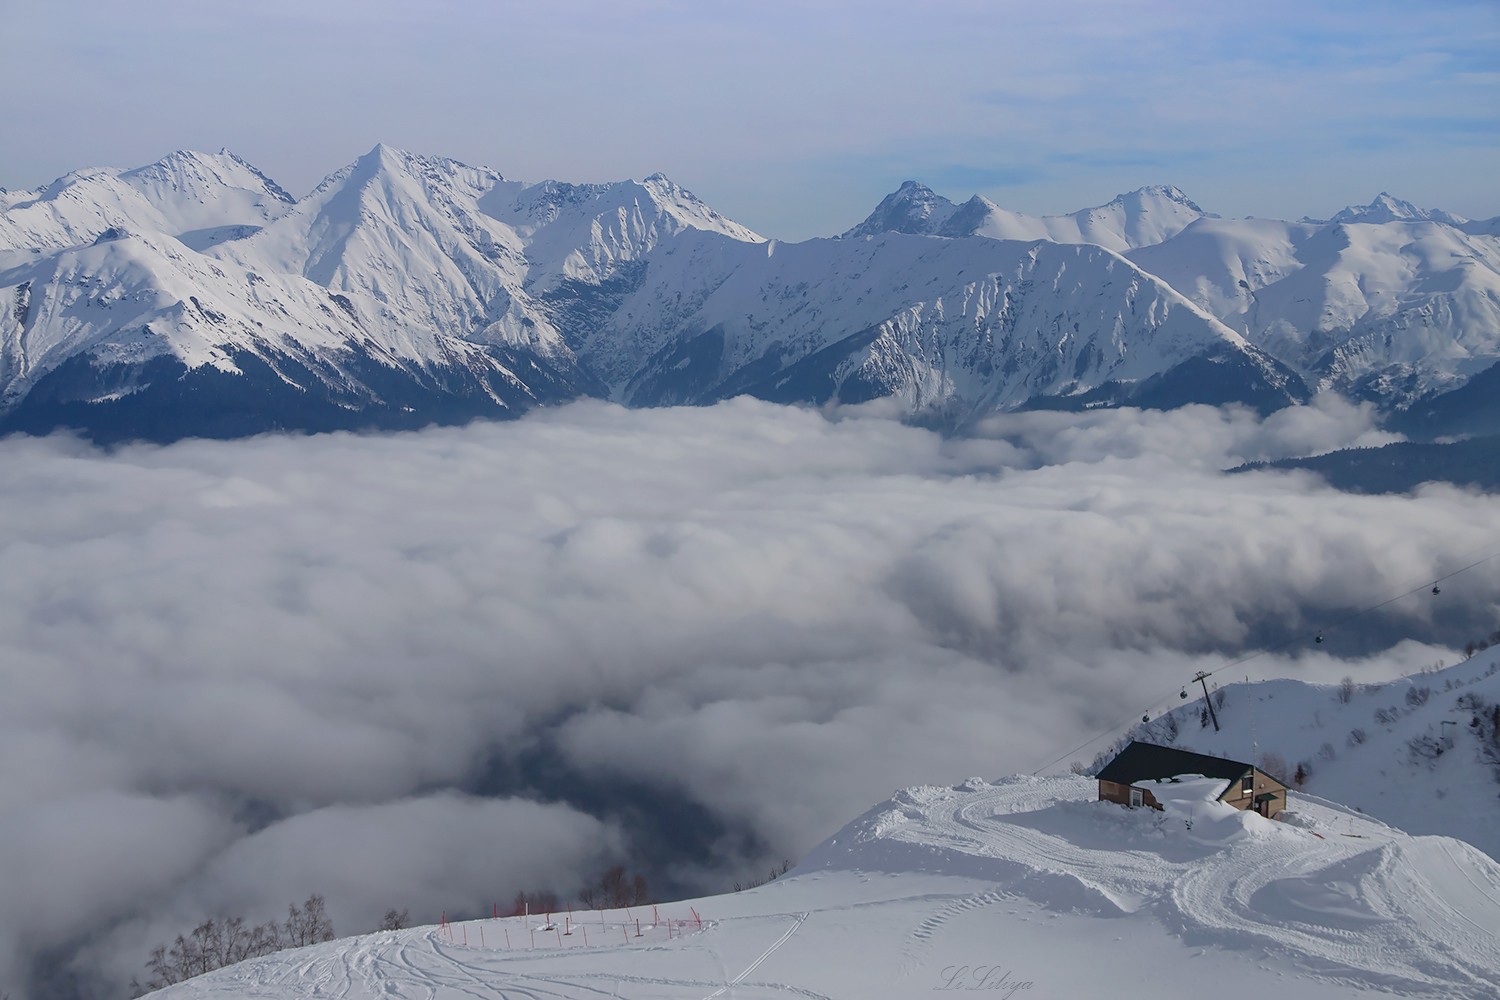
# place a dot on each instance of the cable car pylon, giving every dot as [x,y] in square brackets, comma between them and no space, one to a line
[1202,678]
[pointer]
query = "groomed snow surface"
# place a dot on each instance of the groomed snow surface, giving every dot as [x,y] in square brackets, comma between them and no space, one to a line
[1028,887]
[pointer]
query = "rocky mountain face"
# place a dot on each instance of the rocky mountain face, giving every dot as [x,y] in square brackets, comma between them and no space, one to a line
[1394,311]
[194,296]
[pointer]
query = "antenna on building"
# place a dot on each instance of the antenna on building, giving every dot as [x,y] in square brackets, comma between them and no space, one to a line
[1250,698]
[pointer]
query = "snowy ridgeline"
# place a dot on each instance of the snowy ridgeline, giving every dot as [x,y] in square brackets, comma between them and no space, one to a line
[194,296]
[1421,752]
[1028,887]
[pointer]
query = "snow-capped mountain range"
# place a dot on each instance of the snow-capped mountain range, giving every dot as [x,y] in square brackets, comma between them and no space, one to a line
[194,296]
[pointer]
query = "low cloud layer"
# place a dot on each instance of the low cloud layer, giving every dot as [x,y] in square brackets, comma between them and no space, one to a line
[427,670]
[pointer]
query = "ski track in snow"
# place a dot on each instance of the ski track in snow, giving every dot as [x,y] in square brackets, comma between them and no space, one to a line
[796,926]
[1403,930]
[1331,899]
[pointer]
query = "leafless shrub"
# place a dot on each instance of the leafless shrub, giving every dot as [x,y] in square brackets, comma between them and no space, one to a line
[1423,748]
[1274,764]
[221,941]
[614,889]
[539,901]
[775,873]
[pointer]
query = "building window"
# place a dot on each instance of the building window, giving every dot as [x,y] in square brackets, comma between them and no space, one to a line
[1136,797]
[1247,783]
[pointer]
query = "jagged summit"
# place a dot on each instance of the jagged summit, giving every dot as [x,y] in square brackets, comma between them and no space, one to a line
[420,284]
[1157,192]
[1137,218]
[912,208]
[1388,208]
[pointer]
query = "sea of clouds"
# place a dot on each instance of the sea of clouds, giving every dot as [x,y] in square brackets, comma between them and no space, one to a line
[427,670]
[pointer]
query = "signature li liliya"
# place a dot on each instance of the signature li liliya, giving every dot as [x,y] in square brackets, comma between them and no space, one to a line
[990,978]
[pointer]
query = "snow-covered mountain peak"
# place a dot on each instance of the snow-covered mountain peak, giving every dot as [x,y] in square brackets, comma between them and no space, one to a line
[199,198]
[1134,219]
[664,185]
[586,232]
[1387,208]
[912,208]
[1155,193]
[437,178]
[189,171]
[692,210]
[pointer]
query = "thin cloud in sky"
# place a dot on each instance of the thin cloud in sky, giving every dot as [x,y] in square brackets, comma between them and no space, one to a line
[794,118]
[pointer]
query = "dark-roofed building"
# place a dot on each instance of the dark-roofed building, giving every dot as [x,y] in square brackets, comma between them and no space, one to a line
[1127,778]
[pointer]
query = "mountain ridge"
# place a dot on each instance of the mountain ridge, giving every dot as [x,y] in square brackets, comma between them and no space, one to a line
[470,286]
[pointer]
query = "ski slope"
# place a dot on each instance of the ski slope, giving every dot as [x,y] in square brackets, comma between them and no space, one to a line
[1377,747]
[1024,887]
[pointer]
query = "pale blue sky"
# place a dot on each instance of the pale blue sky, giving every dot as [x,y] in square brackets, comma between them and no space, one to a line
[793,117]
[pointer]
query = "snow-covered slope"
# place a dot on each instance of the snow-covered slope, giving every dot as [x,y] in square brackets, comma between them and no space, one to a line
[139,326]
[1138,218]
[404,289]
[440,245]
[957,328]
[460,293]
[1385,310]
[1385,301]
[1025,887]
[1380,748]
[199,198]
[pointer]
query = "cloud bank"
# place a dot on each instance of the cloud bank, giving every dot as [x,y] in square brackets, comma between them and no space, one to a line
[426,670]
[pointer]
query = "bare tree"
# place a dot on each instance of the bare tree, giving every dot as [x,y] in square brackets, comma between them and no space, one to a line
[221,941]
[537,901]
[1273,764]
[309,925]
[775,873]
[394,920]
[615,888]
